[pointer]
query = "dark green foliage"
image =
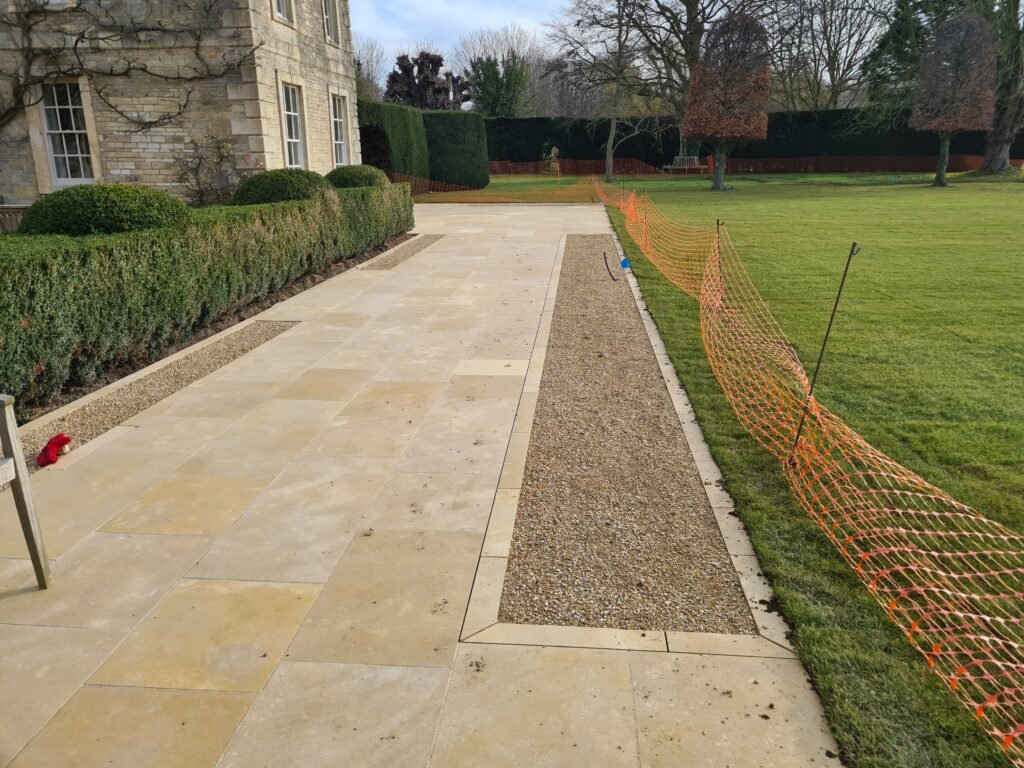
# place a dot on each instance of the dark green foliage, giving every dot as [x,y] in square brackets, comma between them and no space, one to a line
[790,134]
[93,209]
[498,88]
[76,307]
[280,185]
[403,146]
[458,148]
[346,176]
[528,139]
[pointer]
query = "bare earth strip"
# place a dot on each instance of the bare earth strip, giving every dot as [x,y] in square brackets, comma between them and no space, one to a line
[613,527]
[97,416]
[403,253]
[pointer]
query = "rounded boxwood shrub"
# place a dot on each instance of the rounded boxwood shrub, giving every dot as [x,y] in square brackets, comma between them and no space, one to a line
[346,176]
[279,185]
[95,209]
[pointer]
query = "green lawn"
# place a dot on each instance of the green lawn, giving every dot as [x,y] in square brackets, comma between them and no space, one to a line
[927,362]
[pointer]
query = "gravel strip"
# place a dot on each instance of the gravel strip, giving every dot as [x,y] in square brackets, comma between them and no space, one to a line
[402,253]
[614,528]
[99,415]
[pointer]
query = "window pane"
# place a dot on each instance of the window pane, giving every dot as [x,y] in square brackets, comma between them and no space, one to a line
[67,137]
[56,144]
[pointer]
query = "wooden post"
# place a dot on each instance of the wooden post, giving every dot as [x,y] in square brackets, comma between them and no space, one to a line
[15,460]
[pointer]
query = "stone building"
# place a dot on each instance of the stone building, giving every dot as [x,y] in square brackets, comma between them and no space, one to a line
[272,79]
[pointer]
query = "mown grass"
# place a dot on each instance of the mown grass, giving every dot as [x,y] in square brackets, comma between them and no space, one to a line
[927,362]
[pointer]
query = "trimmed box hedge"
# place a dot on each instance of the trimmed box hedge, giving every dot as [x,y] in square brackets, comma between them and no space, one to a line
[457,144]
[99,209]
[394,139]
[279,185]
[75,307]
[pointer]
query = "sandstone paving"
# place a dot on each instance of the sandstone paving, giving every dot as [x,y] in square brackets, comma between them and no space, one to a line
[131,727]
[297,559]
[43,667]
[319,715]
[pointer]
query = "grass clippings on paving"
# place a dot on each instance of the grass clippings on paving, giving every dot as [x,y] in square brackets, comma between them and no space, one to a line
[402,253]
[614,528]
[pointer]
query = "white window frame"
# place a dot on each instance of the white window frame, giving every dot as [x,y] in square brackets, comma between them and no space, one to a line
[284,10]
[81,119]
[339,129]
[332,22]
[292,125]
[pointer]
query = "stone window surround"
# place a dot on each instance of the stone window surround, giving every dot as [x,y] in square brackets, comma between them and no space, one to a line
[332,92]
[286,77]
[45,178]
[289,20]
[337,20]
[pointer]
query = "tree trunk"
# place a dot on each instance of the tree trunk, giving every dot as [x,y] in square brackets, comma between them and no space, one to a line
[609,152]
[940,172]
[718,180]
[997,155]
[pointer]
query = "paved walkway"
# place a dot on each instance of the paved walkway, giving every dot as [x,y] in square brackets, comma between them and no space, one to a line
[272,567]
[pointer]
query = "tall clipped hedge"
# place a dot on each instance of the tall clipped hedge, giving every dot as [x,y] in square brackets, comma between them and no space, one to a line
[74,307]
[406,147]
[790,134]
[457,143]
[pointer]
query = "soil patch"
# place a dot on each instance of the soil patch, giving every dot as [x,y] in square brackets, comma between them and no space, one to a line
[614,528]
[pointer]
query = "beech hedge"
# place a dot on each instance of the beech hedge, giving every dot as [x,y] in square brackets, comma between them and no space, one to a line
[75,307]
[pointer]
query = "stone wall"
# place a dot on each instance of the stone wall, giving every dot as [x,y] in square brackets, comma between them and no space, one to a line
[243,104]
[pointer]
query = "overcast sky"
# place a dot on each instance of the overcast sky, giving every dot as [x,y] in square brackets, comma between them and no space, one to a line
[402,24]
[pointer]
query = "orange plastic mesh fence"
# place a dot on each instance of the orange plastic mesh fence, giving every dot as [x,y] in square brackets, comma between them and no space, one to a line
[950,578]
[576,190]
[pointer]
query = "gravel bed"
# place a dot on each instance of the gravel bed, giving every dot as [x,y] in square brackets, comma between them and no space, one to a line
[97,416]
[402,253]
[614,528]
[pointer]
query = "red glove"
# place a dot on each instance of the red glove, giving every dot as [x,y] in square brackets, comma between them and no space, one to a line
[53,450]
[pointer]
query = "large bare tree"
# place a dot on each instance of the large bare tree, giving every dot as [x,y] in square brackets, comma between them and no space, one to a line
[819,48]
[601,50]
[1008,122]
[180,44]
[956,84]
[371,68]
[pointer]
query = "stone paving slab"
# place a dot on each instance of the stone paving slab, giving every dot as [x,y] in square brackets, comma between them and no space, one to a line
[273,566]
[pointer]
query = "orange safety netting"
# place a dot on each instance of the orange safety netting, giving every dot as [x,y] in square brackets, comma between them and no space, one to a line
[576,190]
[950,578]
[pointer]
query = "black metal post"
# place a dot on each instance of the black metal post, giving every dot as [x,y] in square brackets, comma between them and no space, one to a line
[854,250]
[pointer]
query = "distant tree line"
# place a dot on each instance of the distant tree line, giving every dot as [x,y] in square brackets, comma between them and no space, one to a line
[957,65]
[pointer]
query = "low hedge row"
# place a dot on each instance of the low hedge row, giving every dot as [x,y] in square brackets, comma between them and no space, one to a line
[76,307]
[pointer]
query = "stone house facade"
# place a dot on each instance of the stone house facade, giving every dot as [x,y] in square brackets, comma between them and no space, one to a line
[275,77]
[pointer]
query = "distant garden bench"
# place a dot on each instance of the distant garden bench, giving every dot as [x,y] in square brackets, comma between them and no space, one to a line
[686,164]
